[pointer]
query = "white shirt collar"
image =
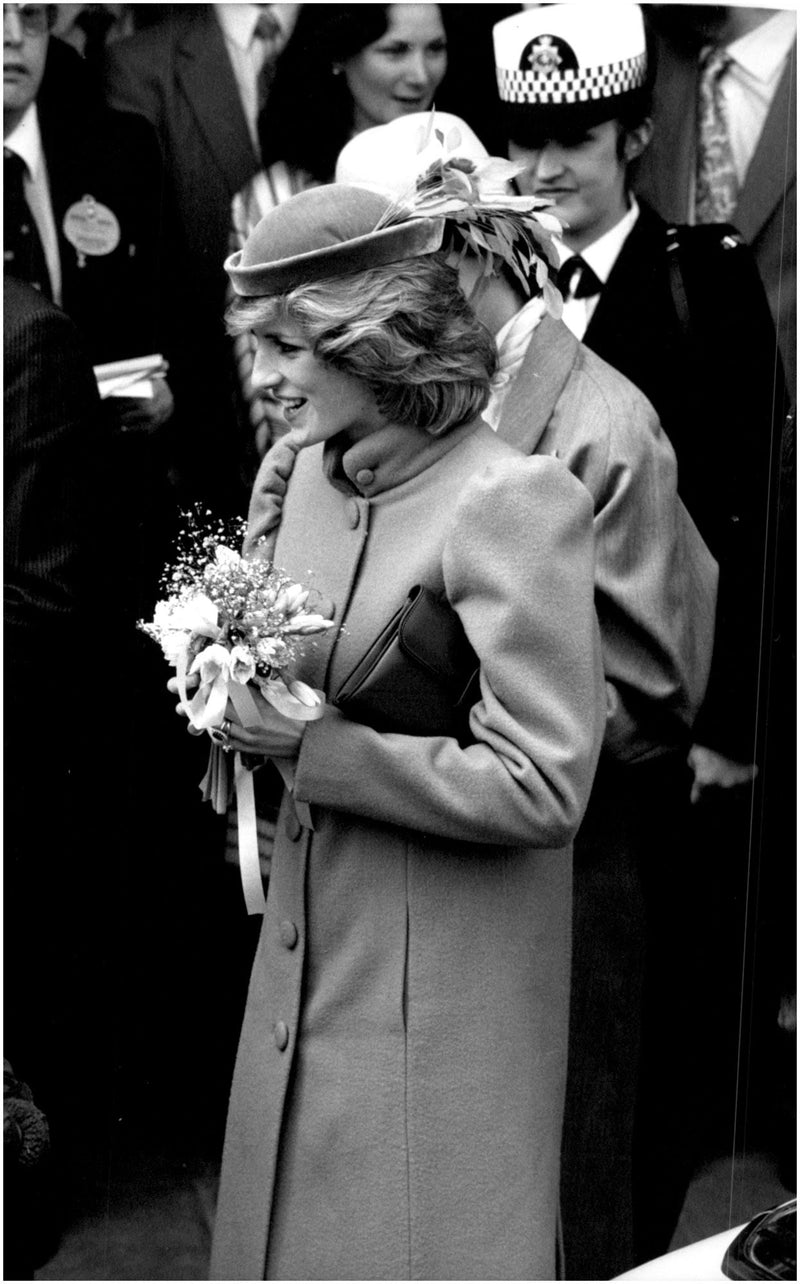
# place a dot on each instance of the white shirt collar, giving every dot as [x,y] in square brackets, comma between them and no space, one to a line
[25,140]
[238,21]
[762,51]
[603,253]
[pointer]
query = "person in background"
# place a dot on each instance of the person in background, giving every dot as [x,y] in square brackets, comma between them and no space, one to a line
[200,75]
[59,1025]
[88,28]
[724,146]
[345,68]
[668,307]
[80,202]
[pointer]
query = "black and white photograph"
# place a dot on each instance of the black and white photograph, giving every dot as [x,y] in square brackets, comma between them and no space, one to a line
[400,669]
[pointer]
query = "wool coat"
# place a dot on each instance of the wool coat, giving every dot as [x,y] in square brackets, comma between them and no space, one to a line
[397,1098]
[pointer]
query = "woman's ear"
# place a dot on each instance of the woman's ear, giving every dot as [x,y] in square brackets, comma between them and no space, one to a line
[637,140]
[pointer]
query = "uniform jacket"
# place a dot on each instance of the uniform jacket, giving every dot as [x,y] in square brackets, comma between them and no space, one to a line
[655,578]
[178,75]
[112,157]
[766,211]
[724,431]
[396,1104]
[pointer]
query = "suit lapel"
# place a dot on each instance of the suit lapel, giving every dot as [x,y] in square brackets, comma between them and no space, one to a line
[206,77]
[774,165]
[528,407]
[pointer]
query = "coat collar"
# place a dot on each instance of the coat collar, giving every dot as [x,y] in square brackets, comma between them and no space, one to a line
[387,458]
[529,405]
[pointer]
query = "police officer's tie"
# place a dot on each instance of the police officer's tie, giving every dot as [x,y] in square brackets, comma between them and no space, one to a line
[576,280]
[717,187]
[23,252]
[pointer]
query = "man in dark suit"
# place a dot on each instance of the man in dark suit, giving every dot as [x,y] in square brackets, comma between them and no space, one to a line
[758,85]
[57,613]
[84,182]
[188,75]
[670,312]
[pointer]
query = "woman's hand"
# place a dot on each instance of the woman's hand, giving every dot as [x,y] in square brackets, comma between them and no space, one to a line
[276,737]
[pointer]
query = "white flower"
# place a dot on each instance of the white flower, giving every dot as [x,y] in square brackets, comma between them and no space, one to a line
[199,615]
[308,624]
[291,599]
[304,693]
[242,665]
[212,663]
[226,555]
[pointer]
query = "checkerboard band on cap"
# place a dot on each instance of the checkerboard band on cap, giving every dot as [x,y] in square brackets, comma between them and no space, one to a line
[588,85]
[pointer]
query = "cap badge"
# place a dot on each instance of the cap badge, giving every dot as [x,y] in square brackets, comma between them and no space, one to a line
[548,56]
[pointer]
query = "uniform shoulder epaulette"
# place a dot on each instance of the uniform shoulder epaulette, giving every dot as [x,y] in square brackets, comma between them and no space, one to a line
[703,236]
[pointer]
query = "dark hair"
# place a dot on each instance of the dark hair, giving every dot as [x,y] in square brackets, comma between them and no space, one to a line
[309,115]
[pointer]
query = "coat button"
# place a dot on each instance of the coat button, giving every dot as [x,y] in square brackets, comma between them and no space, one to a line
[353,515]
[365,477]
[292,826]
[288,934]
[281,1036]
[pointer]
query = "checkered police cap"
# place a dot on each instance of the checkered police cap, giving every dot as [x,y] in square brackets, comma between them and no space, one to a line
[570,64]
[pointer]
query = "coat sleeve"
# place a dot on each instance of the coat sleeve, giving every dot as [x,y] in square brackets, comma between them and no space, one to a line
[518,569]
[656,580]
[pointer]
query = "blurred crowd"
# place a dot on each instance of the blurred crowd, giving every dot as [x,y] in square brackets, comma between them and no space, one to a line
[142,143]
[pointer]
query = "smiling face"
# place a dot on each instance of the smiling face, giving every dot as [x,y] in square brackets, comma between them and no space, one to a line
[401,72]
[584,174]
[24,57]
[318,400]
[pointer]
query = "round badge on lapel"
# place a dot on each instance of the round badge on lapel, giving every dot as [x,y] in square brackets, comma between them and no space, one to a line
[92,228]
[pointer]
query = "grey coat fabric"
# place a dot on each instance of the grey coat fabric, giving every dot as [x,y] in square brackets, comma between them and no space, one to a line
[655,580]
[397,1099]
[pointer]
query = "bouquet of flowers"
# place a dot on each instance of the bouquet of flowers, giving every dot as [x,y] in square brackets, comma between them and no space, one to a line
[240,626]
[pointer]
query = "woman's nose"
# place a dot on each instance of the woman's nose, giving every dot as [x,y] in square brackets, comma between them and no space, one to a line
[12,25]
[416,70]
[549,163]
[264,374]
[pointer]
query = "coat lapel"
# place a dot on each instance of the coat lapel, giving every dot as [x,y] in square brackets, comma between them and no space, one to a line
[206,77]
[528,408]
[774,165]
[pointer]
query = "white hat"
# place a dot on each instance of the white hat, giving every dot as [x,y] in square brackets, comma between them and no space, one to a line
[573,64]
[386,158]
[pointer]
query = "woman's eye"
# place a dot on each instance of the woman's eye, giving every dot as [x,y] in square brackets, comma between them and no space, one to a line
[394,51]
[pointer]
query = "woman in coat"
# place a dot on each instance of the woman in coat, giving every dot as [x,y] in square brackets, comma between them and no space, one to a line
[396,1105]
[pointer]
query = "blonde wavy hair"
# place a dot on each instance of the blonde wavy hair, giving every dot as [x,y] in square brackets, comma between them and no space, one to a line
[404,329]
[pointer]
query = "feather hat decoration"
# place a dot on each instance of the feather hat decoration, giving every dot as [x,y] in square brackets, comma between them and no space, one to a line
[440,169]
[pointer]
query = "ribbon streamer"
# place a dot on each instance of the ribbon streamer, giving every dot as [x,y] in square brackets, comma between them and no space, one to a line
[216,785]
